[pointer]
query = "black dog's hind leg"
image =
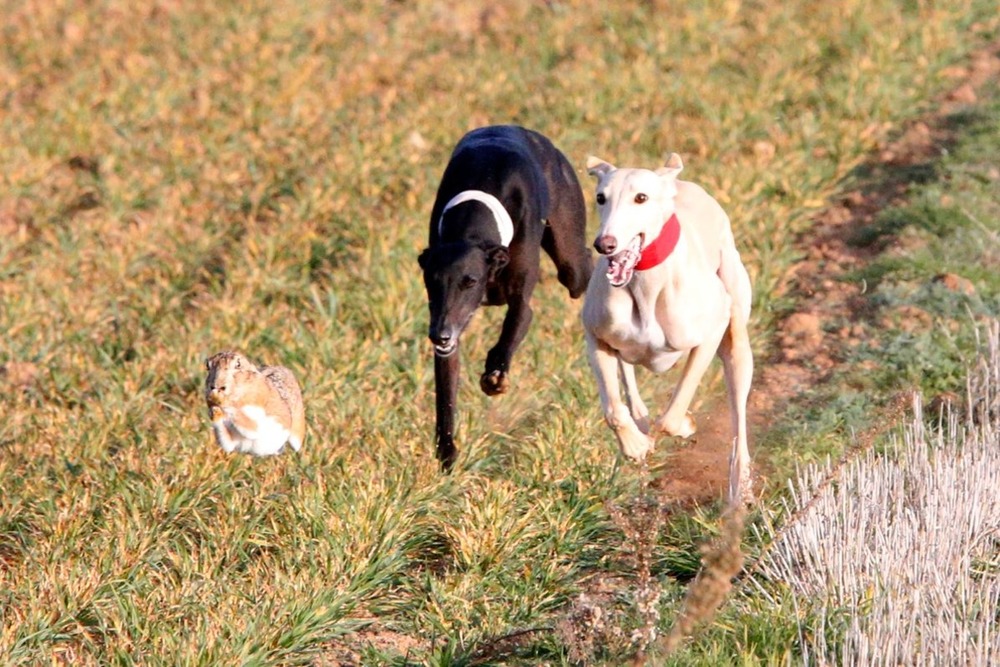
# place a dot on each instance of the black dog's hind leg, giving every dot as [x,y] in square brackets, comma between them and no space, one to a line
[565,237]
[446,370]
[571,257]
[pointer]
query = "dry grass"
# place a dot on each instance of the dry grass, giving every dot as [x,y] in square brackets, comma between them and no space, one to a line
[894,561]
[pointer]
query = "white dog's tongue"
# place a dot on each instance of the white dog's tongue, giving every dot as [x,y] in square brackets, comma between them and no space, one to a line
[621,265]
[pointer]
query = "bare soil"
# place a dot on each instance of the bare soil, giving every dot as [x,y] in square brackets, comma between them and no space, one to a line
[805,352]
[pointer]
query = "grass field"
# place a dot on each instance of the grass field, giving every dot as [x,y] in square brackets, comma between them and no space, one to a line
[180,178]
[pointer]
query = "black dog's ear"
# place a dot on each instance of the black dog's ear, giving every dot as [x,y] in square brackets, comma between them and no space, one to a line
[424,258]
[497,257]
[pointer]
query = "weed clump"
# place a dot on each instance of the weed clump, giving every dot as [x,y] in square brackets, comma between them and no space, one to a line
[604,621]
[600,623]
[722,561]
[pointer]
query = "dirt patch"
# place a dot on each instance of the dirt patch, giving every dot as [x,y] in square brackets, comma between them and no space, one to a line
[808,345]
[696,470]
[350,650]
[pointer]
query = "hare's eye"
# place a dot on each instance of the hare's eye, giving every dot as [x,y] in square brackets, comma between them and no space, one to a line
[641,198]
[601,199]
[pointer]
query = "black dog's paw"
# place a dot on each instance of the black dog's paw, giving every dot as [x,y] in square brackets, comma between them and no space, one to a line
[494,383]
[446,455]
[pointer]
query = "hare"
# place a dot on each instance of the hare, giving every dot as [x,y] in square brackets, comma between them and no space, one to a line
[253,410]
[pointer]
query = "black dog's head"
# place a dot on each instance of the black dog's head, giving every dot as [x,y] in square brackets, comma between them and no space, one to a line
[456,276]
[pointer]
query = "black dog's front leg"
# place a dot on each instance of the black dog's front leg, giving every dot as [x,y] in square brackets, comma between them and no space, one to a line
[515,326]
[446,371]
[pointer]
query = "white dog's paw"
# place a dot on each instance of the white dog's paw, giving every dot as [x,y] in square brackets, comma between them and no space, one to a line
[684,427]
[634,444]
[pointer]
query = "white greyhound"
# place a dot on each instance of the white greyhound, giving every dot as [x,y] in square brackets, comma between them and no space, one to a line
[670,281]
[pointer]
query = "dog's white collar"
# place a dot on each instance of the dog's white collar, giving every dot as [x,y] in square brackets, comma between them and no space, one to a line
[504,223]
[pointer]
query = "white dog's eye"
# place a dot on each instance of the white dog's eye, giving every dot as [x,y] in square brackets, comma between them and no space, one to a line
[601,199]
[641,198]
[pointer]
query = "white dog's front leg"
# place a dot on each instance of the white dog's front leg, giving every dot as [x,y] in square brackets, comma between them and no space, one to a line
[640,413]
[676,420]
[604,361]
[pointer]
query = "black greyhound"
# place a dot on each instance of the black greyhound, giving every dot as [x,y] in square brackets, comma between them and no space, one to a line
[506,193]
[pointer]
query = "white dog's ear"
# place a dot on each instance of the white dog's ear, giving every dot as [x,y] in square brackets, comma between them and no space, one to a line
[672,167]
[598,167]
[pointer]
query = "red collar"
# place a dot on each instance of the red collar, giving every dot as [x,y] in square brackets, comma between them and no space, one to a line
[661,247]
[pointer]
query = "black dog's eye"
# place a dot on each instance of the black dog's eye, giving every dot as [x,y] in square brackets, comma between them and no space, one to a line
[601,199]
[641,198]
[467,282]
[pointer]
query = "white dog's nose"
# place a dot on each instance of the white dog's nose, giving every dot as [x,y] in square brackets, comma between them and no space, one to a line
[606,245]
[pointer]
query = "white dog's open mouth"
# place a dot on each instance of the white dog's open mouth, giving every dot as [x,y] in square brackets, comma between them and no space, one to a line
[621,265]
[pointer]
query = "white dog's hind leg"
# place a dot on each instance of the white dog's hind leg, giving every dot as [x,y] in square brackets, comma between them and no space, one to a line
[640,414]
[737,363]
[604,361]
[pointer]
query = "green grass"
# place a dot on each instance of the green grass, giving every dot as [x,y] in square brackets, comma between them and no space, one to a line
[178,179]
[927,291]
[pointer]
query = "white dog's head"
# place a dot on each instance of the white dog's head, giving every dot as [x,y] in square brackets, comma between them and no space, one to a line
[634,204]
